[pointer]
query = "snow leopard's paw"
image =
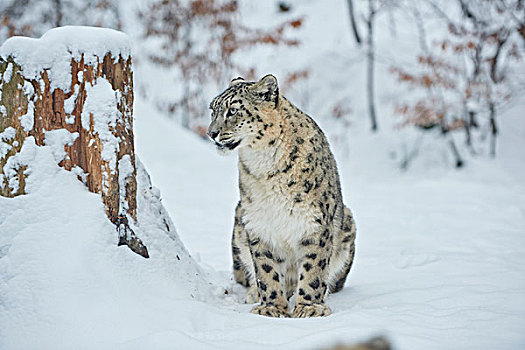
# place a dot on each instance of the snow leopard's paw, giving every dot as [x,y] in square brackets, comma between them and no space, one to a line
[311,310]
[270,310]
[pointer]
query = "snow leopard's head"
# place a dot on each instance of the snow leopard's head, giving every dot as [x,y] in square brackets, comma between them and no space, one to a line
[240,113]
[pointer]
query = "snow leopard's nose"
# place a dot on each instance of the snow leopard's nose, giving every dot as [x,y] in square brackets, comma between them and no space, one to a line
[213,134]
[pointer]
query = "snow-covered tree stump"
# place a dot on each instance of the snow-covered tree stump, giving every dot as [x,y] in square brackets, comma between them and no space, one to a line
[80,80]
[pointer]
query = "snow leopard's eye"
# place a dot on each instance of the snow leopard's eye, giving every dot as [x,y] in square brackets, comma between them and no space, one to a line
[232,111]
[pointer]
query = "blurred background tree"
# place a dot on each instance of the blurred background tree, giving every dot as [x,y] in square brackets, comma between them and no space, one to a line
[468,75]
[34,17]
[454,64]
[199,39]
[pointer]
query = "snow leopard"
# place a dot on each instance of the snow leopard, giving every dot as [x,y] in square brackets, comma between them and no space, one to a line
[292,236]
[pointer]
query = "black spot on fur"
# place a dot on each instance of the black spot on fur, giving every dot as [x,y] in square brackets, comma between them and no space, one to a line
[238,220]
[307,186]
[307,242]
[301,291]
[315,283]
[267,268]
[291,183]
[287,168]
[276,277]
[268,254]
[312,256]
[307,297]
[293,154]
[262,285]
[307,266]
[322,264]
[245,168]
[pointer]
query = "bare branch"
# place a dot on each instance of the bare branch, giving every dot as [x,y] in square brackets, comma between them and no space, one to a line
[353,22]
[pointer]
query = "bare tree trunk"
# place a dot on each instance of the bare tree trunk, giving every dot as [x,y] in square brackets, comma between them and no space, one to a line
[457,156]
[420,28]
[472,119]
[58,10]
[353,23]
[186,112]
[115,177]
[370,65]
[446,134]
[493,129]
[467,116]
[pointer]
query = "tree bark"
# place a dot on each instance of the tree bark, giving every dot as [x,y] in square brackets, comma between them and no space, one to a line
[13,105]
[118,187]
[370,65]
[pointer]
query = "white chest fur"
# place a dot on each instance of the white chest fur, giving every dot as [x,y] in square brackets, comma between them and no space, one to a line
[271,213]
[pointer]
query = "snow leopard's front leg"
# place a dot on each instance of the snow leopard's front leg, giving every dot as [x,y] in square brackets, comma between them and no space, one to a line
[243,268]
[268,267]
[315,252]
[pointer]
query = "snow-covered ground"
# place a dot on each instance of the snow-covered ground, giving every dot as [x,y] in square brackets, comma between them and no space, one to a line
[439,259]
[439,252]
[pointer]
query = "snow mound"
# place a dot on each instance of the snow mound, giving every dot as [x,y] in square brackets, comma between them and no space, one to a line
[61,271]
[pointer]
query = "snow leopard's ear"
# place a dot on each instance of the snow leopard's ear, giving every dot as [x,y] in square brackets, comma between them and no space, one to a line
[236,81]
[267,88]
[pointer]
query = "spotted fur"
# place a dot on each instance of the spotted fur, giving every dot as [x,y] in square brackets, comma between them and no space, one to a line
[292,233]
